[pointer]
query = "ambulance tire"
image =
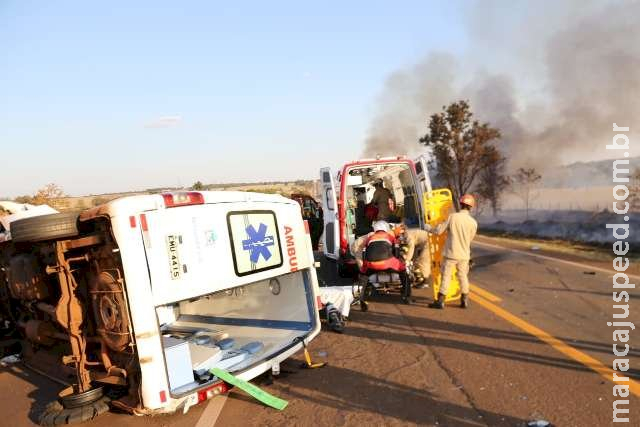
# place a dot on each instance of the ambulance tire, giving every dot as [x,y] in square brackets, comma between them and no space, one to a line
[70,400]
[45,227]
[55,414]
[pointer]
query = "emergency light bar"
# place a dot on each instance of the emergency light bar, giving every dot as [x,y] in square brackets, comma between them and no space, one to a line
[172,200]
[378,157]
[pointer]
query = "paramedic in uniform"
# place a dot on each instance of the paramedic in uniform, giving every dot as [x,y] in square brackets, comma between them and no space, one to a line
[457,251]
[380,200]
[416,253]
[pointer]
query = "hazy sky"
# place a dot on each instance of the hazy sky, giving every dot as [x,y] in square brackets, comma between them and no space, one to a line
[116,96]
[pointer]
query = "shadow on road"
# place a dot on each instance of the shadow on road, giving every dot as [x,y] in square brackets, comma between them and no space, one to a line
[464,345]
[44,392]
[382,396]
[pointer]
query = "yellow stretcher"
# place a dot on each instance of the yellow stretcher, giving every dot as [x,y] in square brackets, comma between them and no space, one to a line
[438,204]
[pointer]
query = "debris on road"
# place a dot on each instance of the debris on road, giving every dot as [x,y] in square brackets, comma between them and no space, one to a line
[10,360]
[308,363]
[250,389]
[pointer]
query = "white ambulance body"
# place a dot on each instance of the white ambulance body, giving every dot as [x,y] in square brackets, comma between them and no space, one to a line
[171,278]
[239,264]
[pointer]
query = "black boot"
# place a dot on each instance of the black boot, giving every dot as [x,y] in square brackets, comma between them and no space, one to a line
[464,301]
[439,303]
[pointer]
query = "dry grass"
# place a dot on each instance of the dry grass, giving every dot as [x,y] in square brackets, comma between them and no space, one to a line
[84,202]
[594,252]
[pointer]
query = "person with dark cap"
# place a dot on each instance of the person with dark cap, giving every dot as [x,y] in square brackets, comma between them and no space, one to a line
[383,200]
[461,229]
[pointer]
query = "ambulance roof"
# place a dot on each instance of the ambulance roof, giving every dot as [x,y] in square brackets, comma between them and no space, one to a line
[157,201]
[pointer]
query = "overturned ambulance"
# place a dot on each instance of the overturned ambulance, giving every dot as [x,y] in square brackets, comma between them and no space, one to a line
[141,297]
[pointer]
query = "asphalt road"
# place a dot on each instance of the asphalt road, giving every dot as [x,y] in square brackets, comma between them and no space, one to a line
[533,345]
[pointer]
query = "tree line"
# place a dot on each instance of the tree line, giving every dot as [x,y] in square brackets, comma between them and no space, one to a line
[466,158]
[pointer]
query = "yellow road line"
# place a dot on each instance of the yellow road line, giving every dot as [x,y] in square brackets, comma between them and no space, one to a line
[485,294]
[567,350]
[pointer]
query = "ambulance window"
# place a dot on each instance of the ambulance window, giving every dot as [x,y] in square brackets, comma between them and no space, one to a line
[326,177]
[329,195]
[255,243]
[418,168]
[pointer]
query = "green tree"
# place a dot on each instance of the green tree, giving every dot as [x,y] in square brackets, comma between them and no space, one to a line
[197,186]
[493,181]
[46,193]
[461,146]
[526,179]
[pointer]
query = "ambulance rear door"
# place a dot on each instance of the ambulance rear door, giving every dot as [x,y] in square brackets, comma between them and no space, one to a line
[331,239]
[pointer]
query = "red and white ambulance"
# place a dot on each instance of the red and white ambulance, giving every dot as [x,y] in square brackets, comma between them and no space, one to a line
[346,196]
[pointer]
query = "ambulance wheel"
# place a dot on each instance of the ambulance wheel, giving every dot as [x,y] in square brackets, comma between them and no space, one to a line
[69,399]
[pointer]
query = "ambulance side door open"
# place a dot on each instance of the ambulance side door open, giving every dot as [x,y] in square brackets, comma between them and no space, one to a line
[423,186]
[422,172]
[331,239]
